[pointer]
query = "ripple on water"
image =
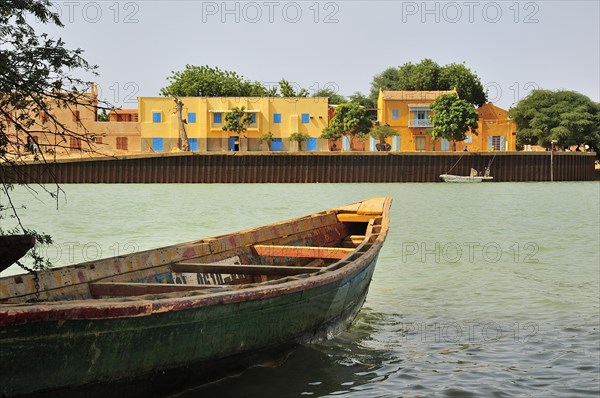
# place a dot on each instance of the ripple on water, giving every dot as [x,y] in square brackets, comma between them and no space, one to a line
[528,318]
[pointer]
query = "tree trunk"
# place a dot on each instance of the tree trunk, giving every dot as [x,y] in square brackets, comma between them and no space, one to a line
[183,143]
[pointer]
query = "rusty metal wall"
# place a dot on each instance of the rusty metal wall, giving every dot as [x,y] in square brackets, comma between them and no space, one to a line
[308,168]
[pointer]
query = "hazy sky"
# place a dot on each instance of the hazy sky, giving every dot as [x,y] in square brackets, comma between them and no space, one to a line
[513,46]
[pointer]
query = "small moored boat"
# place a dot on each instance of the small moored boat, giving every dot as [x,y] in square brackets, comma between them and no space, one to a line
[473,177]
[187,313]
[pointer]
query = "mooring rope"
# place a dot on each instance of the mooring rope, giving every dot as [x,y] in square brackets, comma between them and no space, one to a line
[463,154]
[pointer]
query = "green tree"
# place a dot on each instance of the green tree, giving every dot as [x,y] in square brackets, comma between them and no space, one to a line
[366,102]
[428,75]
[37,75]
[349,119]
[268,138]
[287,90]
[237,121]
[382,132]
[453,118]
[334,97]
[362,100]
[205,81]
[566,116]
[467,84]
[299,138]
[103,116]
[387,80]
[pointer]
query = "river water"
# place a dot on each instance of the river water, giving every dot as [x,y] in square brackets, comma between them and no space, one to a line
[480,290]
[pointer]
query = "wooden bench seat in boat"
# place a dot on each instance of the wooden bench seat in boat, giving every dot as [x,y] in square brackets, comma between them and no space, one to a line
[270,270]
[302,251]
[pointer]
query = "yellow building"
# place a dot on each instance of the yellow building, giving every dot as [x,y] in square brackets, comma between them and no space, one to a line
[408,112]
[496,131]
[205,117]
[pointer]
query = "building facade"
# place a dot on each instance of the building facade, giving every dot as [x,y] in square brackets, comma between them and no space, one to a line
[409,113]
[204,118]
[154,125]
[496,131]
[87,134]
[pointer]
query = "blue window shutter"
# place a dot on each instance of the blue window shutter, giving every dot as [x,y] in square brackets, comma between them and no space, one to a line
[311,144]
[156,117]
[276,144]
[305,118]
[372,143]
[192,117]
[502,147]
[395,143]
[346,143]
[193,144]
[445,144]
[276,118]
[217,118]
[253,118]
[395,114]
[158,144]
[490,143]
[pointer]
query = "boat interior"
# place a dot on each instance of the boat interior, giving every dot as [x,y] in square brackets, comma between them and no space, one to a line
[276,253]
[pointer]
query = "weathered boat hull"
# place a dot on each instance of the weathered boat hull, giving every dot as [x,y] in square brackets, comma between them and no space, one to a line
[95,332]
[99,352]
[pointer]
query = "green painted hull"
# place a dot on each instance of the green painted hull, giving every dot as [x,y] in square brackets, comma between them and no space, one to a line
[74,357]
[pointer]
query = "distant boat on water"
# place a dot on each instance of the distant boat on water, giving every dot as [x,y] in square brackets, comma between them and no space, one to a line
[473,177]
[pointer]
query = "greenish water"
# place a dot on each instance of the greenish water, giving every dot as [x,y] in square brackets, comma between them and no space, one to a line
[480,289]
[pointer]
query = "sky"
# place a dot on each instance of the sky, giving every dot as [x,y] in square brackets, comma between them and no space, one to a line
[513,46]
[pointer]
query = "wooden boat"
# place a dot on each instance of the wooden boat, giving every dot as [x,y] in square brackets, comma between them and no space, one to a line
[13,247]
[473,177]
[191,312]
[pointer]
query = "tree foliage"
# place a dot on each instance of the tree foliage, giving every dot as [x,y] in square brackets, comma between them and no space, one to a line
[205,81]
[382,132]
[349,119]
[453,118]
[237,121]
[362,100]
[286,89]
[366,102]
[38,75]
[566,116]
[103,116]
[334,97]
[428,75]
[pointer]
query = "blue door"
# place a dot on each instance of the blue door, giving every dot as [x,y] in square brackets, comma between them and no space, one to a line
[276,144]
[311,144]
[372,143]
[193,144]
[232,143]
[157,144]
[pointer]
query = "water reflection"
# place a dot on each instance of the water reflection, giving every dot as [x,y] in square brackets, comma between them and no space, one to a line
[348,363]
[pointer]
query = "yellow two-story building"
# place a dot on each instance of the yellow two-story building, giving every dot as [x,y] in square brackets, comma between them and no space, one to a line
[205,117]
[409,113]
